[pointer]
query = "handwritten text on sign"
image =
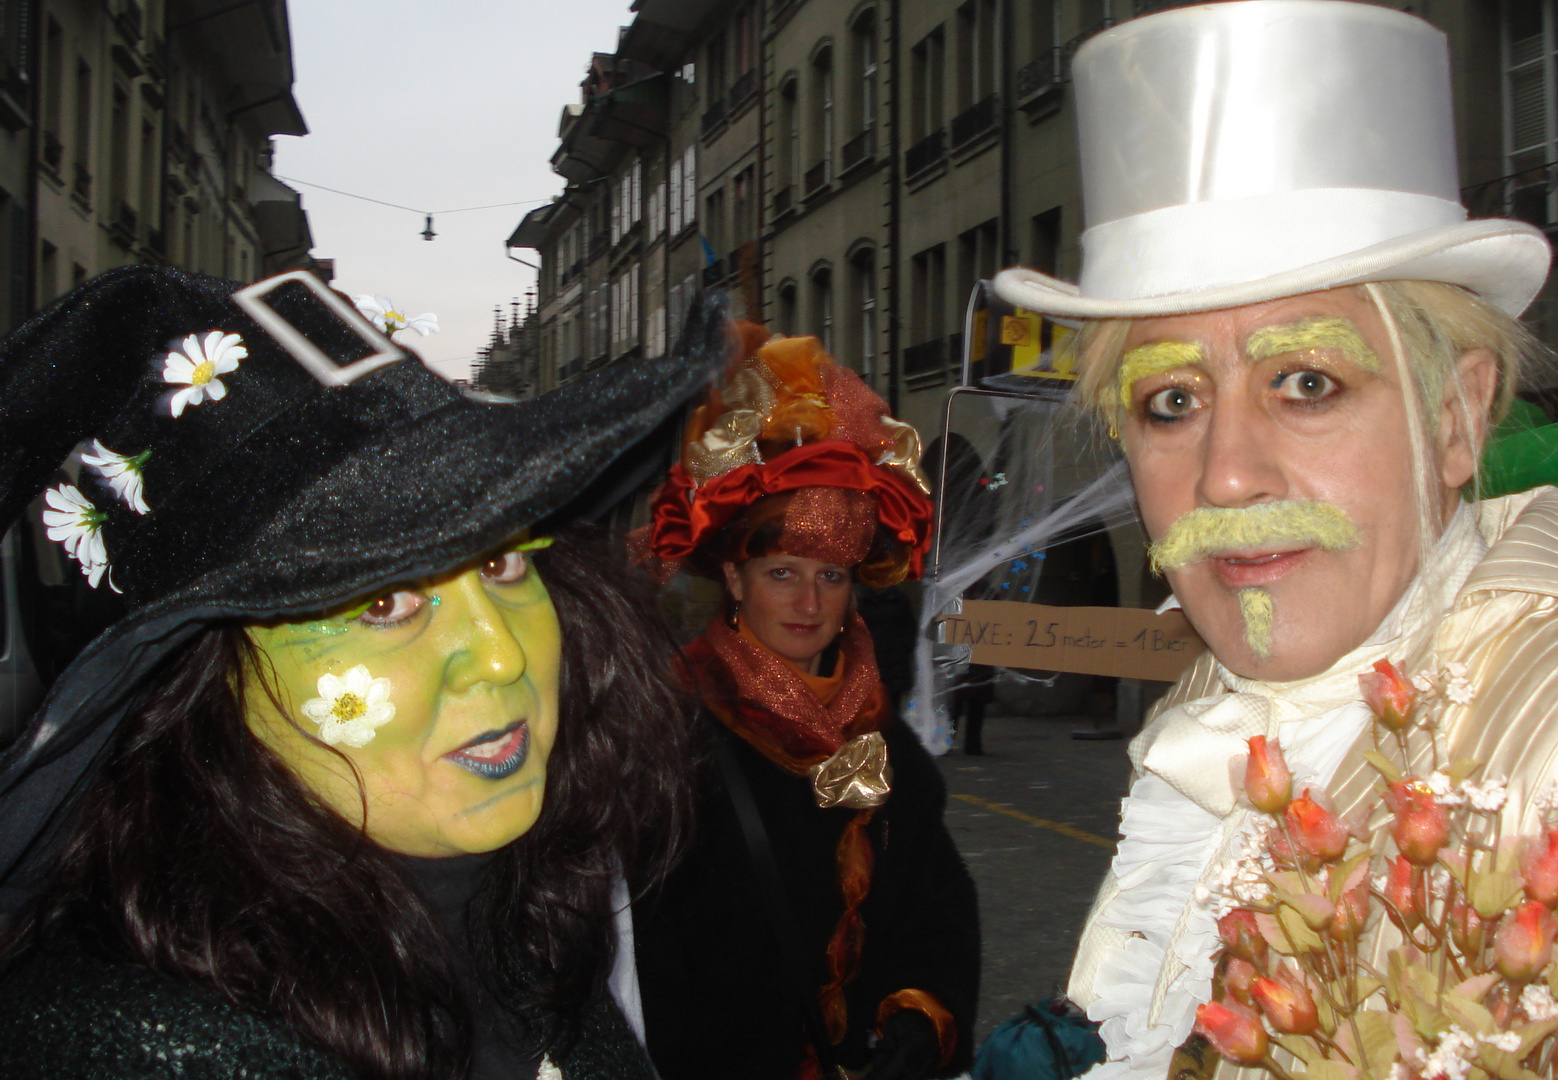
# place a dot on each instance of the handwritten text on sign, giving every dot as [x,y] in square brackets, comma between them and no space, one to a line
[1133,643]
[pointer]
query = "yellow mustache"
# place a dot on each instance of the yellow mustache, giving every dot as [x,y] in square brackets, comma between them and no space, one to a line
[1213,530]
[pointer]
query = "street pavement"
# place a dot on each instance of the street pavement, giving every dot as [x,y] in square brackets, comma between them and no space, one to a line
[1035,818]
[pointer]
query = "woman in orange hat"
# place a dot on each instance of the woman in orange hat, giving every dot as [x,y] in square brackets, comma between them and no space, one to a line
[823,920]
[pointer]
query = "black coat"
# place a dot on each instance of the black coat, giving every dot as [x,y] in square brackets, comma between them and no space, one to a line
[65,1015]
[715,1000]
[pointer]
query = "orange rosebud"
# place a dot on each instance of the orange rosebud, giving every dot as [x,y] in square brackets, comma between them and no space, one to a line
[1539,870]
[1316,830]
[1352,911]
[1524,941]
[1242,936]
[1388,694]
[1467,928]
[1421,825]
[1234,1031]
[1404,889]
[1239,976]
[1286,1003]
[1267,782]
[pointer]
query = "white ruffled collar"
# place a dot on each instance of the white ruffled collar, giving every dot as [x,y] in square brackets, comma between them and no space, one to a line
[1181,822]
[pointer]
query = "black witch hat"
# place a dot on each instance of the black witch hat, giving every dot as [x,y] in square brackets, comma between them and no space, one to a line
[264,452]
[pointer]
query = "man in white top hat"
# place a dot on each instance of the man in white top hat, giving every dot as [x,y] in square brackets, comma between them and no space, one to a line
[1301,343]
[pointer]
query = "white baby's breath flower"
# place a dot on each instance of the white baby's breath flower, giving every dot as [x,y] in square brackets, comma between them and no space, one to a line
[1424,682]
[124,474]
[1451,1058]
[1488,796]
[199,364]
[1546,800]
[348,710]
[390,321]
[1537,1002]
[1443,790]
[1507,1041]
[76,524]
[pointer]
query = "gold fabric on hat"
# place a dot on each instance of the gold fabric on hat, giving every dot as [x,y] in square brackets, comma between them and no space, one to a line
[903,452]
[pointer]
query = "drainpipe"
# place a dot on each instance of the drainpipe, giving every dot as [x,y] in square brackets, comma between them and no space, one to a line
[34,160]
[1006,248]
[894,202]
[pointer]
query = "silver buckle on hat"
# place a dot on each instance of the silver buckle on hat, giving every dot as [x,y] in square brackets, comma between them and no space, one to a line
[251,298]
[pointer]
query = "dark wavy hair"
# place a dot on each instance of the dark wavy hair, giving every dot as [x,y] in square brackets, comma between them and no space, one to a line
[196,852]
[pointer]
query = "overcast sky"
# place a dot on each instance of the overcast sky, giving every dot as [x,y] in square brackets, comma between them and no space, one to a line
[436,107]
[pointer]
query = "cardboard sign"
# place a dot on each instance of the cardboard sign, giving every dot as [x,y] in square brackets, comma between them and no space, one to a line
[1132,643]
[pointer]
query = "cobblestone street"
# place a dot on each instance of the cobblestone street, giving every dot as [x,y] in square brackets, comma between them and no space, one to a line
[1035,818]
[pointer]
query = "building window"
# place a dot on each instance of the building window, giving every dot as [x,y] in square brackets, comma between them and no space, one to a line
[821,119]
[53,84]
[927,78]
[716,78]
[976,52]
[822,306]
[977,259]
[929,291]
[863,268]
[689,186]
[784,318]
[714,223]
[1045,255]
[676,197]
[1530,42]
[82,150]
[743,40]
[789,150]
[863,40]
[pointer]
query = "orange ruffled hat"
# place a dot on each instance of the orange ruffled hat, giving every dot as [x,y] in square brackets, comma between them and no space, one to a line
[790,422]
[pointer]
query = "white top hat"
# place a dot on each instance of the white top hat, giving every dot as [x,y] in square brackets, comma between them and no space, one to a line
[1235,153]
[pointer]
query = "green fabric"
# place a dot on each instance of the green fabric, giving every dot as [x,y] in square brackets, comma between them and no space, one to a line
[1522,454]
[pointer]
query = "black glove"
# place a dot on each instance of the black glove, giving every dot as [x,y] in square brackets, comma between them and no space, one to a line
[908,1049]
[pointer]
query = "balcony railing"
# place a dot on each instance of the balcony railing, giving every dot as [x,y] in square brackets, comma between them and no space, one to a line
[926,357]
[784,201]
[858,149]
[125,221]
[714,273]
[1526,195]
[976,120]
[816,178]
[743,88]
[53,151]
[715,116]
[1038,73]
[925,153]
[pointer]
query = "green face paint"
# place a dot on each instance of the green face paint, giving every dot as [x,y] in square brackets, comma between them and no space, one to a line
[1255,606]
[1311,335]
[472,663]
[1212,530]
[1144,361]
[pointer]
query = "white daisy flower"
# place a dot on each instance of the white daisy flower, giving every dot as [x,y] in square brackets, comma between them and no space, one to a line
[349,710]
[199,365]
[390,320]
[74,522]
[126,475]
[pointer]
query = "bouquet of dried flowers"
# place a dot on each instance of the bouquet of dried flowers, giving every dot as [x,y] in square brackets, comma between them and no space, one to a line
[1466,989]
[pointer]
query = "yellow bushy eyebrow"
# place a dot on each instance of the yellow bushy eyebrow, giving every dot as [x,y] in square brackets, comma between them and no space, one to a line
[1144,361]
[1324,332]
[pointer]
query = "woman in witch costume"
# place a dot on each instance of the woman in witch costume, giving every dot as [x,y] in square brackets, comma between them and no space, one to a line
[348,788]
[822,918]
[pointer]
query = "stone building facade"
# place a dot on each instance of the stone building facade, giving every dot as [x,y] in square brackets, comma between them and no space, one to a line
[143,134]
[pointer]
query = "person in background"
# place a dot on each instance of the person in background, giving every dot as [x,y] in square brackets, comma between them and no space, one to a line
[822,917]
